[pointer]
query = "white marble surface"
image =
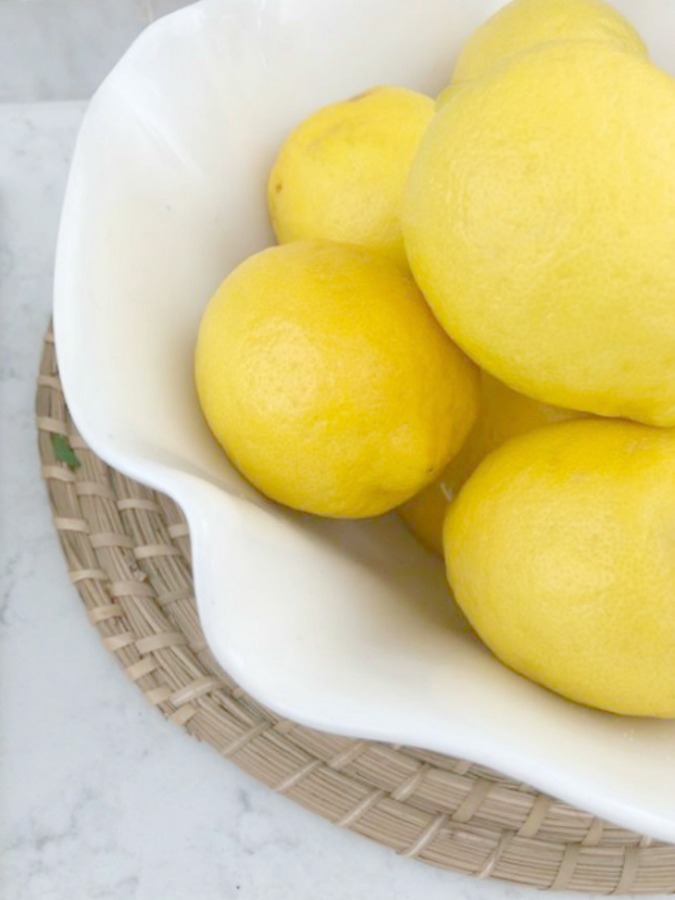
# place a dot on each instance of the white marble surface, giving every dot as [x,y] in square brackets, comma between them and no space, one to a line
[61,49]
[99,797]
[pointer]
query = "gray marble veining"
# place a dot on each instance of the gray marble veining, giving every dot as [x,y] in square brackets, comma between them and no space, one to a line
[62,49]
[164,7]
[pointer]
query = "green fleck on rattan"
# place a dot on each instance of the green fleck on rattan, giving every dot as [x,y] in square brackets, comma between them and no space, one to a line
[64,452]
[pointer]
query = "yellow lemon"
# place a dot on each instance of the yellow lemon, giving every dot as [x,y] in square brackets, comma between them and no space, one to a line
[502,414]
[539,220]
[560,549]
[340,174]
[326,379]
[526,23]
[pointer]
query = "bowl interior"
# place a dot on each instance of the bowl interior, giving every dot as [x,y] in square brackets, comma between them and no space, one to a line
[344,626]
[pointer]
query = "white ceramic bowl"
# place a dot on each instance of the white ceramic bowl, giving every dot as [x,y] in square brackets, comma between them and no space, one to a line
[345,627]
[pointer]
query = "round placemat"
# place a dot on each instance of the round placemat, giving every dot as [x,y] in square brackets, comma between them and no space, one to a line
[128,555]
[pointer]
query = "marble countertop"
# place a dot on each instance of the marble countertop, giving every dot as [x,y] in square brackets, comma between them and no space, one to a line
[100,797]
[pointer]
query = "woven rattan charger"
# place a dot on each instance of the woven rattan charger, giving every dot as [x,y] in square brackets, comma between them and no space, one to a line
[128,554]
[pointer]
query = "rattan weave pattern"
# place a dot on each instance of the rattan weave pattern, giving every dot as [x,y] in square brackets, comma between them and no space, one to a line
[128,554]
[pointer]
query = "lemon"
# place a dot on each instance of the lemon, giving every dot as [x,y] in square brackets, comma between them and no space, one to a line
[525,23]
[324,376]
[539,221]
[560,549]
[502,414]
[340,174]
